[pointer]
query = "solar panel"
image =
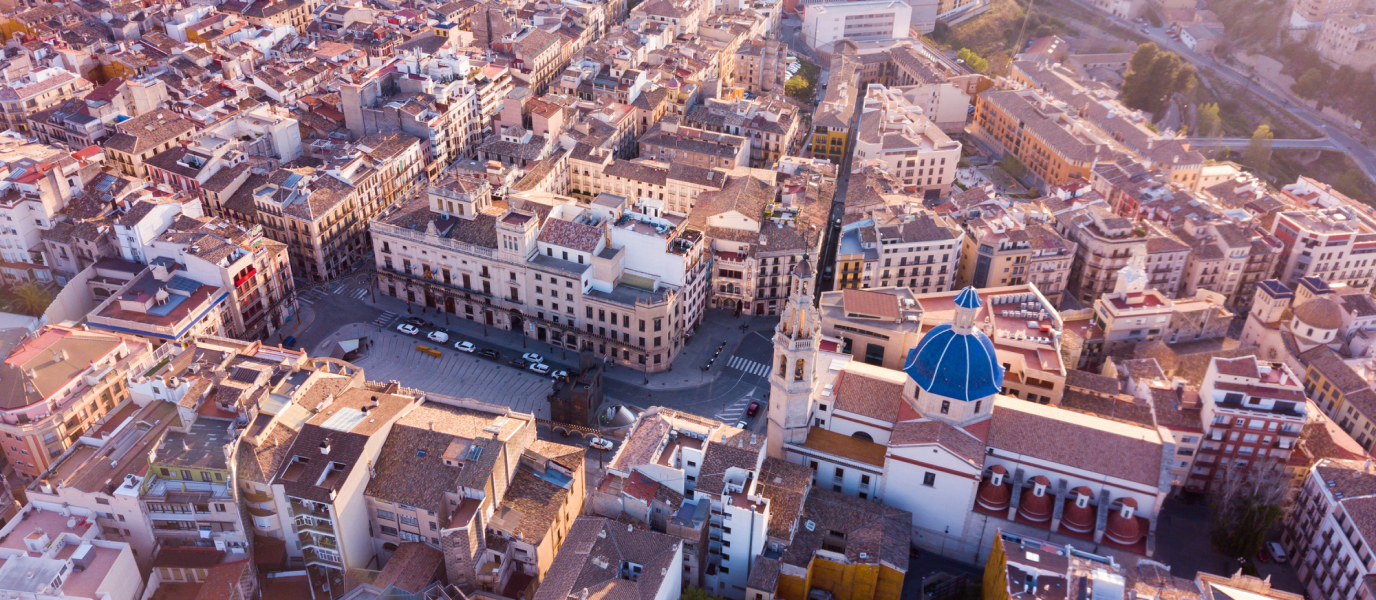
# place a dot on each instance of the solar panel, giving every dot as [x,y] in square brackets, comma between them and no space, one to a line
[344,420]
[183,284]
[291,180]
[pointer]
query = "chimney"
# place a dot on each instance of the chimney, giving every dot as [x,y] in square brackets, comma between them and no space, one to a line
[325,446]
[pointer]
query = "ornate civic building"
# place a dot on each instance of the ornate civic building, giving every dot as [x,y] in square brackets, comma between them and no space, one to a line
[939,440]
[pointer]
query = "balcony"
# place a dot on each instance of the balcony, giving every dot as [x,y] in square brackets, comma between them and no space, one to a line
[317,511]
[318,542]
[322,558]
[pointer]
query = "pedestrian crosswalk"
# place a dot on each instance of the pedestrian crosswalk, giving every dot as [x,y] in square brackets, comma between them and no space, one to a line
[385,318]
[749,366]
[733,413]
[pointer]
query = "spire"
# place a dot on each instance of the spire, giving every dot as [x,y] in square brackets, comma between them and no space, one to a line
[800,318]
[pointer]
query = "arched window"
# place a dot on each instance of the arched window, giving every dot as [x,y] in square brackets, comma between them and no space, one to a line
[798,370]
[783,365]
[860,435]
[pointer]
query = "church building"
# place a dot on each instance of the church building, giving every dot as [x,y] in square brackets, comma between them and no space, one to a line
[938,439]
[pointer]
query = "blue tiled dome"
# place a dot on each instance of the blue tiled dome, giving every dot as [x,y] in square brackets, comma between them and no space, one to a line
[963,367]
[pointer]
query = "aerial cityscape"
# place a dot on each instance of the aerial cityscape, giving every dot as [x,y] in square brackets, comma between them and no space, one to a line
[687,300]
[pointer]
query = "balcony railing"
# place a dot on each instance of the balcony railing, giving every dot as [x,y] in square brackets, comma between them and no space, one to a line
[322,558]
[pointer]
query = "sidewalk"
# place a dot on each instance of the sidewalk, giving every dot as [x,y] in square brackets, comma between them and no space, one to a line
[685,372]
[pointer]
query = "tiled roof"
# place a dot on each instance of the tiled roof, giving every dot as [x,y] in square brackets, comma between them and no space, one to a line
[591,556]
[956,440]
[574,236]
[870,391]
[845,446]
[785,484]
[1076,440]
[412,566]
[880,533]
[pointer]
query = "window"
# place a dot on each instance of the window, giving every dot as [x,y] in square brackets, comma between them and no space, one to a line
[945,407]
[392,531]
[409,520]
[383,514]
[929,479]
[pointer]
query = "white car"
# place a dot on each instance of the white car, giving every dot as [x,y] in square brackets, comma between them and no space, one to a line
[533,357]
[742,424]
[439,337]
[598,443]
[1277,552]
[466,347]
[408,329]
[560,374]
[540,368]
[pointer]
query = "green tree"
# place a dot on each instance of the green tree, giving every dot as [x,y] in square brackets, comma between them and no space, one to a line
[1258,152]
[31,299]
[696,593]
[972,60]
[1206,121]
[1309,83]
[1153,77]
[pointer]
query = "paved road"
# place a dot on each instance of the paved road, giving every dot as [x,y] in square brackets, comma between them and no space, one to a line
[1320,143]
[827,263]
[1363,156]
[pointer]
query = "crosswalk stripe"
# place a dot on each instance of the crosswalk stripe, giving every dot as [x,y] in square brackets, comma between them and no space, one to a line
[360,294]
[749,366]
[305,299]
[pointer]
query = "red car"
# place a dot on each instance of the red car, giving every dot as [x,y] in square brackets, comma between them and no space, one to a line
[752,409]
[1263,555]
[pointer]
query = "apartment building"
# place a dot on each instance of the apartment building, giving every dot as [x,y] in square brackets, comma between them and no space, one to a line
[141,138]
[1226,258]
[163,303]
[1311,14]
[322,214]
[1336,244]
[264,132]
[188,492]
[36,91]
[770,123]
[429,97]
[672,462]
[39,182]
[1348,40]
[1042,133]
[1324,537]
[618,275]
[675,183]
[894,132]
[1135,312]
[831,122]
[921,251]
[942,92]
[826,22]
[620,560]
[756,243]
[1342,390]
[58,384]
[101,473]
[496,501]
[539,53]
[760,66]
[669,141]
[1000,251]
[1104,244]
[60,552]
[1252,411]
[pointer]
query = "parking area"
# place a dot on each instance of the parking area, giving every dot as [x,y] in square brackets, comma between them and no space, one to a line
[1184,520]
[393,356]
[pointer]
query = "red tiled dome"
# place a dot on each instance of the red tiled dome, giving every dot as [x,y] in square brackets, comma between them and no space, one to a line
[994,497]
[1124,530]
[1076,518]
[1033,507]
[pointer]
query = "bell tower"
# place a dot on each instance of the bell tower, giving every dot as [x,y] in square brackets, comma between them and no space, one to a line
[794,372]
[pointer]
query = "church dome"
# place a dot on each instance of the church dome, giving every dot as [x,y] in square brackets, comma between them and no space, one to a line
[956,360]
[1320,313]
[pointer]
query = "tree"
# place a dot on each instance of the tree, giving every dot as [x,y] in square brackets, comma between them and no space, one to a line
[31,299]
[1153,77]
[972,60]
[1206,121]
[1309,83]
[1258,152]
[696,593]
[1246,503]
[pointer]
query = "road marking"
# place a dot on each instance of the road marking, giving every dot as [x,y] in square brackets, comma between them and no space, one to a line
[733,413]
[360,294]
[305,300]
[384,318]
[749,366]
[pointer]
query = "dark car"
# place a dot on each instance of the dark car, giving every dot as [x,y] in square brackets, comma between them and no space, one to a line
[417,321]
[752,409]
[489,354]
[1263,555]
[519,363]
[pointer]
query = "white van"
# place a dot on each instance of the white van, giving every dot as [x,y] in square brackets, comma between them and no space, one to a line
[1277,553]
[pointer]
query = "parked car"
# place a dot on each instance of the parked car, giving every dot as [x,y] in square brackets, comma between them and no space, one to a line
[408,329]
[560,374]
[598,443]
[752,409]
[489,354]
[465,347]
[289,342]
[533,357]
[417,321]
[540,368]
[1262,555]
[1277,552]
[439,337]
[742,424]
[519,363]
